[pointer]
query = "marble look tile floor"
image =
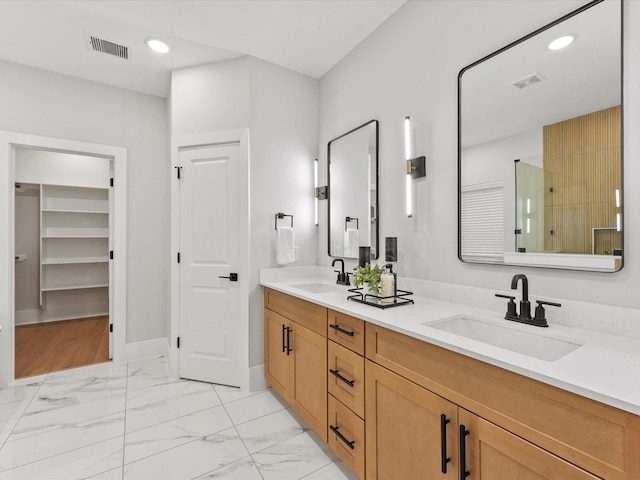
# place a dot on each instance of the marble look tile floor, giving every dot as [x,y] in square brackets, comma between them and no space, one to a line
[131,421]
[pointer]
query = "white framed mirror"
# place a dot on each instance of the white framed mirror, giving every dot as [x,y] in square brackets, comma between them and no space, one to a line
[540,163]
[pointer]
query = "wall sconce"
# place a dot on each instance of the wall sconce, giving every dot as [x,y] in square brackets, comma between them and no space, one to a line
[319,193]
[415,166]
[618,214]
[315,189]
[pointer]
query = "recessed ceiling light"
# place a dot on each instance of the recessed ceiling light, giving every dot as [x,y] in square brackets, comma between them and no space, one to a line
[561,42]
[157,46]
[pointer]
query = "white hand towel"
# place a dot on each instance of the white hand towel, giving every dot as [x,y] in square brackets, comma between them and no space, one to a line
[351,242]
[285,252]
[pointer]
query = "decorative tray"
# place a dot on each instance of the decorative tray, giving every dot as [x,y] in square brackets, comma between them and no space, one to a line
[376,300]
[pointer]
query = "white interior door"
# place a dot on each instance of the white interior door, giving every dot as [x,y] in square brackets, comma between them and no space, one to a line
[209,250]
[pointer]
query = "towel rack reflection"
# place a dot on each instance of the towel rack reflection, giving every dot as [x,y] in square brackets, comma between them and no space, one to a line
[350,219]
[280,215]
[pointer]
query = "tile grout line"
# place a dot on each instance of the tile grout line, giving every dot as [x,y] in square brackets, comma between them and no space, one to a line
[22,414]
[235,427]
[124,430]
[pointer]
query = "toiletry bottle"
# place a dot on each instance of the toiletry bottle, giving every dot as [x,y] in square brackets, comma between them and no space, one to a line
[388,285]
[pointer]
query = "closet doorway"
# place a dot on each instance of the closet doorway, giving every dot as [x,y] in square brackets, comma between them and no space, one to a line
[62,271]
[10,142]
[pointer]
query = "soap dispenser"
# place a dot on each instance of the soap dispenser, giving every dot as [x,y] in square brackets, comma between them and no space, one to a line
[388,285]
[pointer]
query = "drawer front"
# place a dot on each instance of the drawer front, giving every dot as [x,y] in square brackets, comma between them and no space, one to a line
[346,330]
[587,433]
[346,377]
[308,314]
[346,436]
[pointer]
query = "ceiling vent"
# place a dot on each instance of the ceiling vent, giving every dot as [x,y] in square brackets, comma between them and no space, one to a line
[105,46]
[529,80]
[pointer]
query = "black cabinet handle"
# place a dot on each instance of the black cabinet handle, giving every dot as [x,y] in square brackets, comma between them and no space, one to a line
[464,473]
[336,373]
[284,330]
[443,442]
[289,349]
[342,330]
[348,442]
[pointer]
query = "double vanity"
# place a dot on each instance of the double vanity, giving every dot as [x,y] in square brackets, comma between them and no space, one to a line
[444,390]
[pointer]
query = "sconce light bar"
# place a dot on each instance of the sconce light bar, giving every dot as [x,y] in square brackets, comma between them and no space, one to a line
[315,189]
[618,222]
[407,157]
[407,138]
[617,198]
[416,167]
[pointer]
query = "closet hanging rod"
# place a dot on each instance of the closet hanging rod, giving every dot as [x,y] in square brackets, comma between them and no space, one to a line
[280,215]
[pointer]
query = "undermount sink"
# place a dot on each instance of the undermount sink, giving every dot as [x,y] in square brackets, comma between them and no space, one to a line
[526,343]
[317,288]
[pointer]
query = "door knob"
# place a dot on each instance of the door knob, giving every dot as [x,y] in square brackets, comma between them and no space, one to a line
[233,277]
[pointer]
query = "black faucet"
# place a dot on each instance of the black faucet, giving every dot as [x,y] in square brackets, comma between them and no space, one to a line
[525,306]
[343,278]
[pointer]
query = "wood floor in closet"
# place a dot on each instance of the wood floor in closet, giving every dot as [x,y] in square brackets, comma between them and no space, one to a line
[49,347]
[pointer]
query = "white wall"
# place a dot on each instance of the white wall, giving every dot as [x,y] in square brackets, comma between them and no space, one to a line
[27,241]
[280,109]
[56,168]
[409,66]
[43,103]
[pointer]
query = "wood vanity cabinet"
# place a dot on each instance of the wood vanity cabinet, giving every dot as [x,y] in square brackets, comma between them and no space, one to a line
[295,349]
[346,387]
[506,425]
[394,407]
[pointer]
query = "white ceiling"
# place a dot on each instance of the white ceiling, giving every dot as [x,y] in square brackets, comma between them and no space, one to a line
[307,36]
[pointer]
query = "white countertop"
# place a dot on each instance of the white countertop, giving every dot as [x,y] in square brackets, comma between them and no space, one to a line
[605,368]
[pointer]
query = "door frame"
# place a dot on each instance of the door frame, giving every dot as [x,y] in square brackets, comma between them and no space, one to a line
[117,291]
[178,143]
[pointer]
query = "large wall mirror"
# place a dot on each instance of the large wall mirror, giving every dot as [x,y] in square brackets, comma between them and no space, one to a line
[353,192]
[540,147]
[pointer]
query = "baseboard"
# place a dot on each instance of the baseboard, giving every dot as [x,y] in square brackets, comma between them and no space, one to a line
[33,316]
[145,349]
[256,378]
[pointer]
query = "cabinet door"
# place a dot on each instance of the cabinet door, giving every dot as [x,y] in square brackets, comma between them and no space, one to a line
[405,434]
[276,360]
[308,377]
[492,453]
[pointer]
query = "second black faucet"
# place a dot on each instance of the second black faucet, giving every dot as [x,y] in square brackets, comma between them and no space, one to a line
[525,306]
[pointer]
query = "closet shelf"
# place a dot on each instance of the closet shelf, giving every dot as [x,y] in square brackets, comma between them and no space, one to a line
[74,241]
[73,287]
[74,260]
[66,210]
[75,236]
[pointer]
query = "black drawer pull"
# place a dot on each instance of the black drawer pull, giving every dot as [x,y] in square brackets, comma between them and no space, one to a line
[284,339]
[342,330]
[342,437]
[464,473]
[336,373]
[443,442]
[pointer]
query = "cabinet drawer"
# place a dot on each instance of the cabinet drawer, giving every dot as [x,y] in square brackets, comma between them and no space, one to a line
[346,377]
[346,330]
[346,436]
[308,314]
[585,432]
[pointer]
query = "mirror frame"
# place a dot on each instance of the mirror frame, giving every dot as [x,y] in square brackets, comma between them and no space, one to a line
[579,10]
[375,232]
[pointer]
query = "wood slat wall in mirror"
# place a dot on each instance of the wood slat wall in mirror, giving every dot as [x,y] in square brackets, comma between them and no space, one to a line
[583,156]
